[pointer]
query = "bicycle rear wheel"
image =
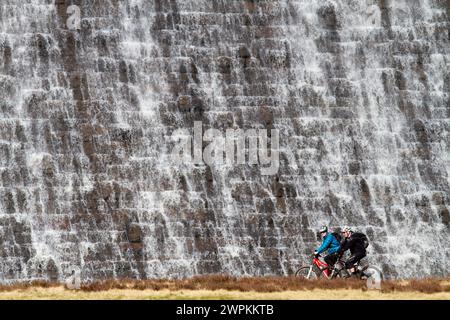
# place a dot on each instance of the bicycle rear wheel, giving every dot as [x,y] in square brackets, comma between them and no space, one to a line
[373,273]
[306,273]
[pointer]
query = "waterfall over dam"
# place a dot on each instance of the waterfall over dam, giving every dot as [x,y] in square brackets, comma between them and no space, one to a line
[359,92]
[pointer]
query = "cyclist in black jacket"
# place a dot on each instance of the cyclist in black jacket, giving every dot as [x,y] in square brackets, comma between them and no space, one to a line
[357,243]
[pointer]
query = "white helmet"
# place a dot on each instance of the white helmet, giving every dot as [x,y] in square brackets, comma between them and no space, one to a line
[347,229]
[323,229]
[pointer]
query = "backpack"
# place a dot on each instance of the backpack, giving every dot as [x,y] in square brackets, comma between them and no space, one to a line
[337,236]
[366,242]
[363,238]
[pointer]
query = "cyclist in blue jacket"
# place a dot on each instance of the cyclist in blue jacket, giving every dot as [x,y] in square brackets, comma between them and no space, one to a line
[331,244]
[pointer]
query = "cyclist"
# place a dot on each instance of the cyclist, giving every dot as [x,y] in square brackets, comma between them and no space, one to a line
[357,243]
[331,243]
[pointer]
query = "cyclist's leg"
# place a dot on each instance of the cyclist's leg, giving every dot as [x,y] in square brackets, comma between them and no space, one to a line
[354,259]
[359,269]
[331,259]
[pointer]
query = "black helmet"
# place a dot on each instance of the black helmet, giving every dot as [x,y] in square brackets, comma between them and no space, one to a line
[323,229]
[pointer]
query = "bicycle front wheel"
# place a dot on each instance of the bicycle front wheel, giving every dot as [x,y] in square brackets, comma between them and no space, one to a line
[306,273]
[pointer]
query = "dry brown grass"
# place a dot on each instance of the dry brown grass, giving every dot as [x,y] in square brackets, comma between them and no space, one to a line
[245,284]
[426,285]
[221,282]
[27,285]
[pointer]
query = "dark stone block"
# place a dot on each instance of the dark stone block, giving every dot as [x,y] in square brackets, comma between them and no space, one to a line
[225,65]
[328,15]
[244,53]
[445,216]
[134,233]
[185,103]
[354,168]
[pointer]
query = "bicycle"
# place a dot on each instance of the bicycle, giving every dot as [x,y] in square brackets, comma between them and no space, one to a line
[319,269]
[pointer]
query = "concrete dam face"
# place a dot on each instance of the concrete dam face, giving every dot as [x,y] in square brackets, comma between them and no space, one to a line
[95,94]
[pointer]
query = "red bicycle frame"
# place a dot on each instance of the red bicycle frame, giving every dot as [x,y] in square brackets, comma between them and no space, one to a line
[323,267]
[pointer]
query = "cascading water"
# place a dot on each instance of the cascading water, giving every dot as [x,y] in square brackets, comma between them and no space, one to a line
[359,91]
